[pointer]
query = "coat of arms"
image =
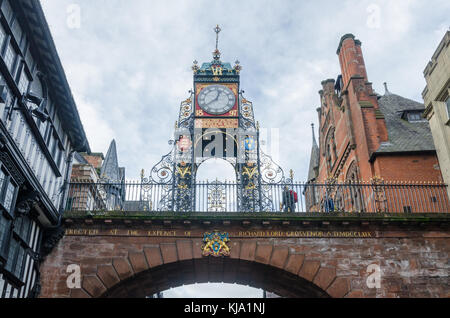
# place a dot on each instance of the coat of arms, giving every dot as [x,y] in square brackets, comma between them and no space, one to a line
[215,244]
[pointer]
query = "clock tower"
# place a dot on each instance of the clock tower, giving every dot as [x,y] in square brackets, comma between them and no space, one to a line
[216,103]
[216,121]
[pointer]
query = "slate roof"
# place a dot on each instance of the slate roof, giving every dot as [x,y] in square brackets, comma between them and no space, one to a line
[110,167]
[314,159]
[404,136]
[206,66]
[79,158]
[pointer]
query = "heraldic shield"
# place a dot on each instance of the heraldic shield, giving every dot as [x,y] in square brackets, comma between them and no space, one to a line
[215,244]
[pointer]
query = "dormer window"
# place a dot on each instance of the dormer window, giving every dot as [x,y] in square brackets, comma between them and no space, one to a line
[413,116]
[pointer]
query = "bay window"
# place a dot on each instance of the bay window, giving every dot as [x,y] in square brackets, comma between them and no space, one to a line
[8,191]
[10,57]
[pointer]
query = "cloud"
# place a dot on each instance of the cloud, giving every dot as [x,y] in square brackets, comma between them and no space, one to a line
[94,124]
[213,290]
[129,62]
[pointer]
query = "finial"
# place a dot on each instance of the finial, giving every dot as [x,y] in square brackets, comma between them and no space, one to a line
[142,173]
[237,66]
[217,29]
[313,135]
[216,53]
[386,90]
[195,67]
[291,174]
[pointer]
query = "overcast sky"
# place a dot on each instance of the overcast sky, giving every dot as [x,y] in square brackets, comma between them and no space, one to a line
[128,62]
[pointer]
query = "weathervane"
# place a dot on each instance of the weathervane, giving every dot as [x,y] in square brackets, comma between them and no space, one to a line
[216,53]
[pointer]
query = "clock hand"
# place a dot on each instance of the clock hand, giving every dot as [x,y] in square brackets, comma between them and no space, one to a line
[217,97]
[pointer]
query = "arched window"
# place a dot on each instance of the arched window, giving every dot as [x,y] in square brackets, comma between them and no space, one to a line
[352,173]
[330,152]
[329,159]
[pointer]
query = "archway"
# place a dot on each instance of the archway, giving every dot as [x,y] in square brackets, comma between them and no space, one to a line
[212,269]
[216,168]
[216,186]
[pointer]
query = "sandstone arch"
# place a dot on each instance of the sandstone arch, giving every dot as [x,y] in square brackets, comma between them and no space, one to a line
[118,252]
[162,266]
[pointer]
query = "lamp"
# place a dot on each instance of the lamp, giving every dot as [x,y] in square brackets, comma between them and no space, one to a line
[39,102]
[39,114]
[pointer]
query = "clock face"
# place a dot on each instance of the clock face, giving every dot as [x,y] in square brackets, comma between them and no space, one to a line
[216,99]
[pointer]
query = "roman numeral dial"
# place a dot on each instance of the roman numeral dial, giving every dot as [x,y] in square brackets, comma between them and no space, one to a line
[216,99]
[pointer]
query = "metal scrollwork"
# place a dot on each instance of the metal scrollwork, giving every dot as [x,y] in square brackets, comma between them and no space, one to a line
[186,117]
[217,198]
[246,114]
[270,171]
[174,175]
[162,172]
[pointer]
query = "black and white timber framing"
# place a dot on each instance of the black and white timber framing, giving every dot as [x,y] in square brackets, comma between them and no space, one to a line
[40,129]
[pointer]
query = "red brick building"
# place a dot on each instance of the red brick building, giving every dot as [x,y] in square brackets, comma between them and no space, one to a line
[97,181]
[364,136]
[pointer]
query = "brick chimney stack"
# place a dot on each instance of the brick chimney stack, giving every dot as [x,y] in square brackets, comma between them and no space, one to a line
[351,59]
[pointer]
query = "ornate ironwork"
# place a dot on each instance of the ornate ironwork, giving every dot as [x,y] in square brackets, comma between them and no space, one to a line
[247,119]
[347,197]
[162,172]
[217,197]
[271,172]
[379,193]
[176,172]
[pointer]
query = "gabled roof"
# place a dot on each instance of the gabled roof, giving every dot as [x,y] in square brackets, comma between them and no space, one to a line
[403,136]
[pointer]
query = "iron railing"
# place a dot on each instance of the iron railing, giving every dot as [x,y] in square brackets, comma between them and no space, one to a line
[281,197]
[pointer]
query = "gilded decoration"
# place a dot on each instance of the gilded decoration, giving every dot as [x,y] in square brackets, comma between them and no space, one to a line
[215,244]
[216,70]
[217,123]
[175,174]
[232,86]
[250,172]
[183,172]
